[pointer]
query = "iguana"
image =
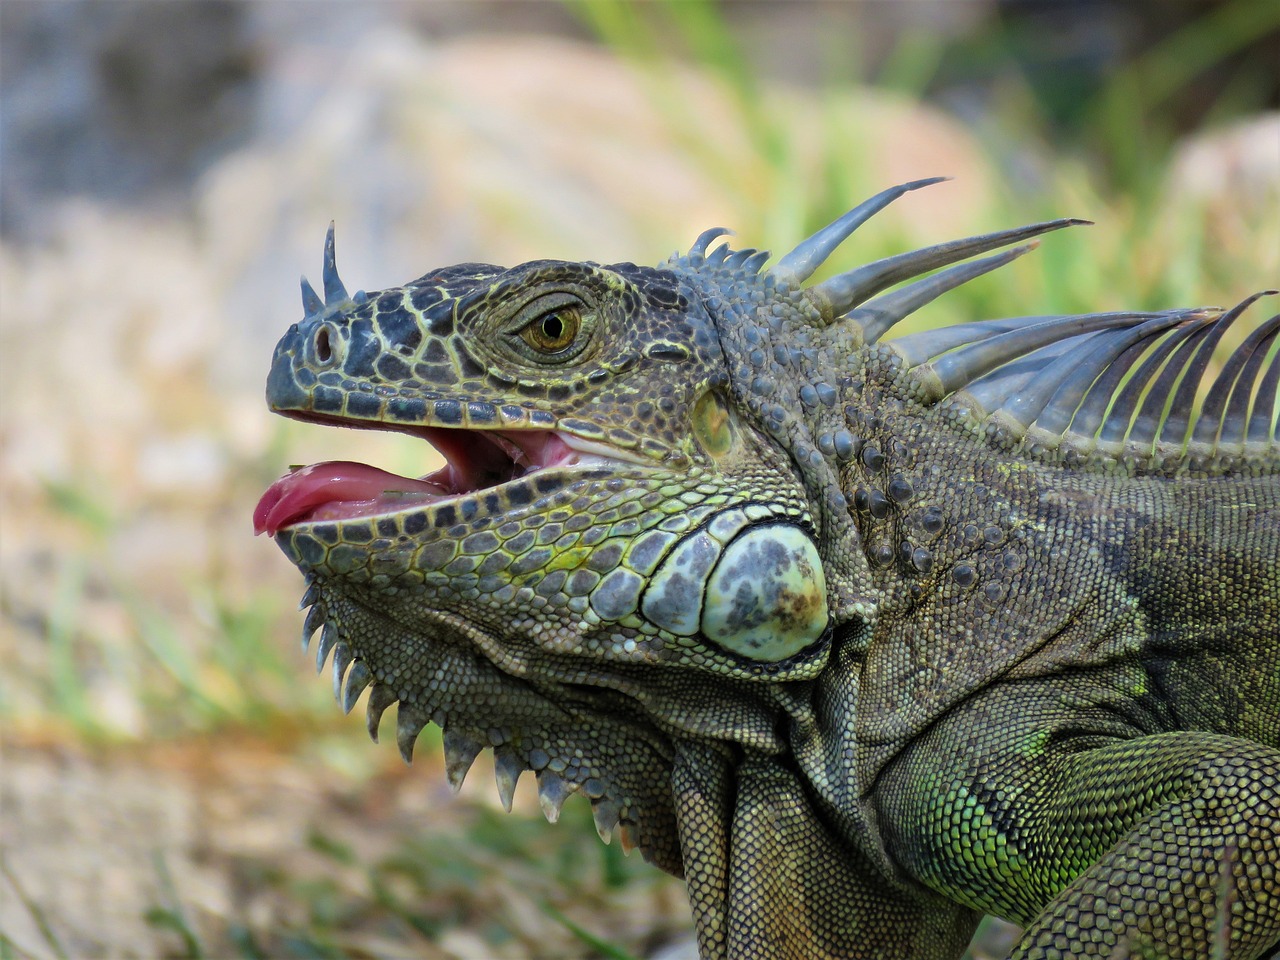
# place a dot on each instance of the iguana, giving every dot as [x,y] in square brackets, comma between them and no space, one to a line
[863,637]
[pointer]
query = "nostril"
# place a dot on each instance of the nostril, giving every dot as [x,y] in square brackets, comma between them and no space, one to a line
[324,349]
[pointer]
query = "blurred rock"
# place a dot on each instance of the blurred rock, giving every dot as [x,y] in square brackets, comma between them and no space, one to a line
[1231,175]
[130,101]
[122,100]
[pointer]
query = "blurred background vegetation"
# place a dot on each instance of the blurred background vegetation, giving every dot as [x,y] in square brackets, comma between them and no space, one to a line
[173,781]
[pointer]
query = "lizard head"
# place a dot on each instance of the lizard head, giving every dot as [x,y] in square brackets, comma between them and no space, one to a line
[604,515]
[593,459]
[639,536]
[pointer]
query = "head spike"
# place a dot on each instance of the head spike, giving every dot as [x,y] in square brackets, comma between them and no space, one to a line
[314,621]
[798,265]
[606,813]
[328,640]
[843,292]
[699,248]
[628,836]
[311,302]
[334,291]
[719,254]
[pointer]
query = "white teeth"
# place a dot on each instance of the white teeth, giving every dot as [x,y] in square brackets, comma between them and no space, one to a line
[553,791]
[460,751]
[408,726]
[328,638]
[358,677]
[314,621]
[380,697]
[507,768]
[605,814]
[601,450]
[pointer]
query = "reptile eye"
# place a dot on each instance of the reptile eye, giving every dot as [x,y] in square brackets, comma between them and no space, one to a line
[553,331]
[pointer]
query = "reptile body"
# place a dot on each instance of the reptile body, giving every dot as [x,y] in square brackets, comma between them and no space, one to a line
[864,637]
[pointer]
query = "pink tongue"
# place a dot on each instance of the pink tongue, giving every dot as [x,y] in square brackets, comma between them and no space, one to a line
[335,490]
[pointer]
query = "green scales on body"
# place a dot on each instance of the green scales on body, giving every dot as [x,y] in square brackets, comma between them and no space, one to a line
[862,636]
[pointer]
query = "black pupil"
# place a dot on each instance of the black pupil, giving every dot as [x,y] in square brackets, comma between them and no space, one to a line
[553,327]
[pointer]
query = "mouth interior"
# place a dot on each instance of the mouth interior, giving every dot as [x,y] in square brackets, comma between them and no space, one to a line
[474,460]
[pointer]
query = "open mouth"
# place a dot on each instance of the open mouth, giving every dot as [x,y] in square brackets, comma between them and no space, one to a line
[474,460]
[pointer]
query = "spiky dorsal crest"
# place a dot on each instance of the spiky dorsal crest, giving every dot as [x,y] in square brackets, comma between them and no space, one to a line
[1114,391]
[1110,391]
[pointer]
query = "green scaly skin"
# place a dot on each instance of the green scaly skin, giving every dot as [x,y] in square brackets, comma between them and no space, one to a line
[997,672]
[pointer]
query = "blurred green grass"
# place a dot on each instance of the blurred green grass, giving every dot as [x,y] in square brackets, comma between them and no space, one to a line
[220,660]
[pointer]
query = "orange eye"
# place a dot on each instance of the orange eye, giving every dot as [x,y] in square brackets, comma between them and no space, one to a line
[554,330]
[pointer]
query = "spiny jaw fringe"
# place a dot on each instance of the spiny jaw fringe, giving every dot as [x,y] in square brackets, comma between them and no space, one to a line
[350,679]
